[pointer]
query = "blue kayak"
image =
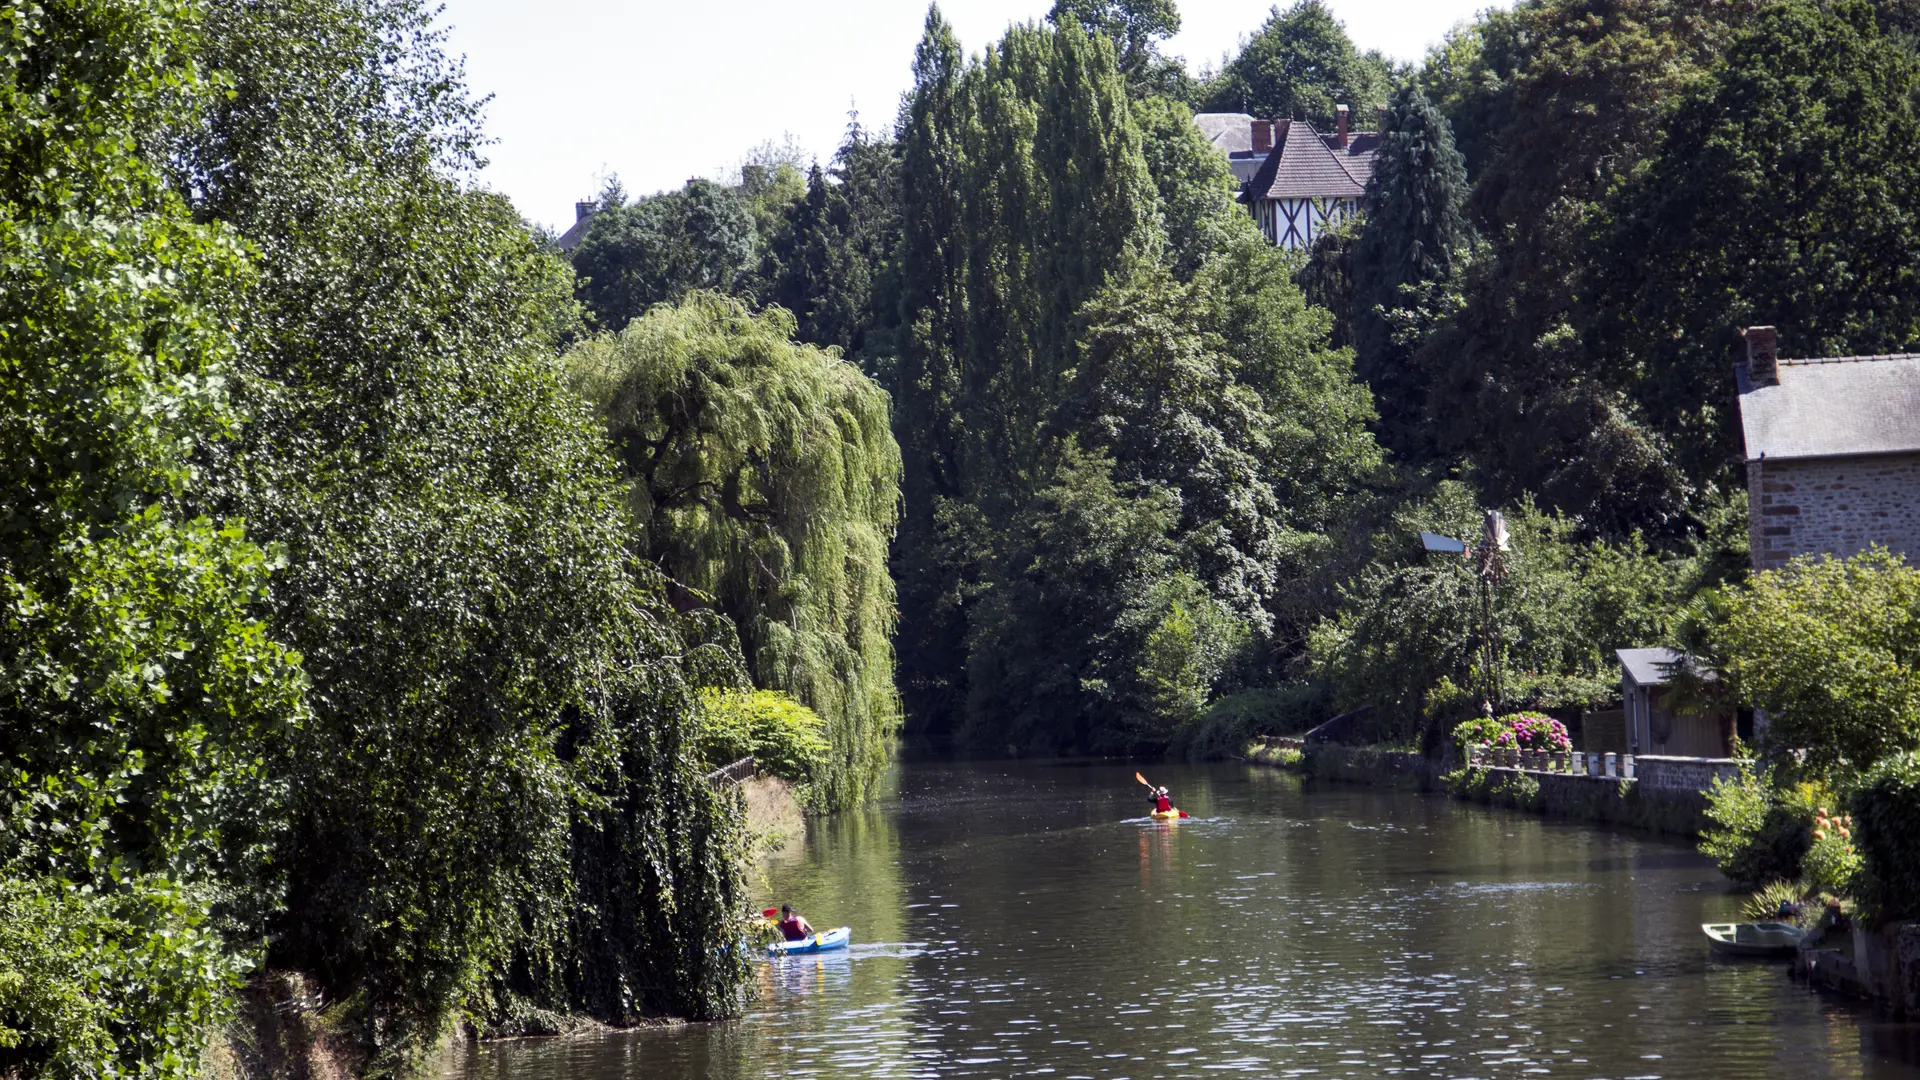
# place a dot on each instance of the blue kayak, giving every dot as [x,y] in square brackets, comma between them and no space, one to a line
[824,941]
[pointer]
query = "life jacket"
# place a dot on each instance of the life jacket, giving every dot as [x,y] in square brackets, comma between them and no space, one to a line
[791,929]
[1162,804]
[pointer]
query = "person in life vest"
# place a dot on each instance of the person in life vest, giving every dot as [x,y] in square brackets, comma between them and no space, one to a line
[792,926]
[1162,804]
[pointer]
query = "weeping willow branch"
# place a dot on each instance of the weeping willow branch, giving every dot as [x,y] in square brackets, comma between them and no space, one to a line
[764,473]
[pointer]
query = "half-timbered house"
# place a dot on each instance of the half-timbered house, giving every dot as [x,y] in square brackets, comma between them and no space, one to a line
[1306,182]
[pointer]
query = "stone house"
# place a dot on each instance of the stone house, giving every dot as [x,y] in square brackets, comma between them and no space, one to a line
[1832,451]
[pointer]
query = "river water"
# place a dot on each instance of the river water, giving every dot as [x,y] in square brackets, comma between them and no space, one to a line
[1026,920]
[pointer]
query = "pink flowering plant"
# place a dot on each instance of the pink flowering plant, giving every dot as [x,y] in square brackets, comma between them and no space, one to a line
[1533,731]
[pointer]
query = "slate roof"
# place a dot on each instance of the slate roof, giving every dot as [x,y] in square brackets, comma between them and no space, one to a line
[1646,667]
[1229,132]
[1837,407]
[1305,165]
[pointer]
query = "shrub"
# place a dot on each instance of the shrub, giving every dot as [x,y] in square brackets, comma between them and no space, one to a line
[1518,790]
[1468,783]
[1533,731]
[1764,904]
[784,737]
[1481,730]
[1832,865]
[1762,831]
[127,984]
[1887,809]
[1230,722]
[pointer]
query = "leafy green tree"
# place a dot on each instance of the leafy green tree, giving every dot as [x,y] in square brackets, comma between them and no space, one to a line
[1785,192]
[657,249]
[1064,609]
[143,702]
[1300,63]
[1196,187]
[1407,636]
[927,383]
[1414,234]
[497,775]
[1828,647]
[1136,28]
[764,474]
[1512,382]
[833,258]
[1471,76]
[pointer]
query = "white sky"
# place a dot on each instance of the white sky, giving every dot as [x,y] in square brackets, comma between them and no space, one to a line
[661,90]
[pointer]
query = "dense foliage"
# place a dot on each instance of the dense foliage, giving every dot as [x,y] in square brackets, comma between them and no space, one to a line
[784,738]
[1300,63]
[430,743]
[1829,649]
[763,478]
[1887,807]
[1122,455]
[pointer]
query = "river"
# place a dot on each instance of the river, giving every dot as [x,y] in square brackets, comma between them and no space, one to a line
[1026,920]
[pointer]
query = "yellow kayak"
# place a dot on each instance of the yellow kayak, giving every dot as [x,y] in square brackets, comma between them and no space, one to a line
[1164,815]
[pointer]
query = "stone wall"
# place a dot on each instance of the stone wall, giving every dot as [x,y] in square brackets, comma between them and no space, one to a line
[1833,506]
[1608,800]
[1657,772]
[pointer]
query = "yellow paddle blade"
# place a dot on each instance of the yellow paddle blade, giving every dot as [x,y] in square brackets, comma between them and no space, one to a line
[1142,779]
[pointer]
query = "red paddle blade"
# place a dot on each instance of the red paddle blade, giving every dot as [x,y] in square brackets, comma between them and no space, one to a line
[1183,813]
[771,912]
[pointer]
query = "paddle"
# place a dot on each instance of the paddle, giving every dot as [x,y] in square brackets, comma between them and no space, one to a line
[1150,787]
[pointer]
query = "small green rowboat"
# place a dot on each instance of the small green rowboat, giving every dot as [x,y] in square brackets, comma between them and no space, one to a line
[1771,940]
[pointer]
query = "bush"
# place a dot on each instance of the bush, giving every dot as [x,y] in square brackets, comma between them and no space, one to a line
[1533,731]
[122,985]
[1764,904]
[1831,865]
[1225,727]
[1763,832]
[784,737]
[1887,810]
[1479,731]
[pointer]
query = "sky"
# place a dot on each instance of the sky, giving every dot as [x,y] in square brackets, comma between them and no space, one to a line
[658,91]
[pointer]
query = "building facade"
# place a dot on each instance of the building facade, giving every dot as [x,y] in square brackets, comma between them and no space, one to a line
[1295,182]
[1833,452]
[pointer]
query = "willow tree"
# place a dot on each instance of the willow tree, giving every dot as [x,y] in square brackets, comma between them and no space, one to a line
[764,476]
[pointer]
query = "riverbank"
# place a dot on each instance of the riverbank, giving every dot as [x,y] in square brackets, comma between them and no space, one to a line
[1666,797]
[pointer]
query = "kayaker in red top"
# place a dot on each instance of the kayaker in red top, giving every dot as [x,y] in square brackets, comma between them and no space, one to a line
[1161,804]
[792,926]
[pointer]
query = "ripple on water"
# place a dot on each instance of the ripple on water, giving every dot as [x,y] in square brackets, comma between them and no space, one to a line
[1026,928]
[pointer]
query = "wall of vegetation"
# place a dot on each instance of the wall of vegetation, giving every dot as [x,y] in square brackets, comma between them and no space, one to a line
[325,648]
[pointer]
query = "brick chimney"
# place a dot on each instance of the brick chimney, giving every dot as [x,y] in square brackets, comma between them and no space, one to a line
[1340,124]
[584,210]
[1763,355]
[1262,136]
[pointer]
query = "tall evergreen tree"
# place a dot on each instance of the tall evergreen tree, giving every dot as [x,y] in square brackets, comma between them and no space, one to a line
[1414,233]
[927,382]
[832,261]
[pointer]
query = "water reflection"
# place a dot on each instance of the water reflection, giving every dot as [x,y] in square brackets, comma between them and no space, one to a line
[1022,920]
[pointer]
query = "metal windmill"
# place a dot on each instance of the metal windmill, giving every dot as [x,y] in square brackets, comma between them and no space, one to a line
[1490,557]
